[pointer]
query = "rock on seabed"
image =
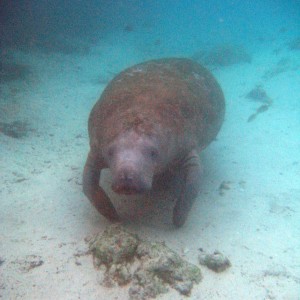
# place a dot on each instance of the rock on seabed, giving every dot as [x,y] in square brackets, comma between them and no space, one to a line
[150,268]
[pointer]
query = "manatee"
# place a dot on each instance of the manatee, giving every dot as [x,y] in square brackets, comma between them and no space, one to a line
[148,127]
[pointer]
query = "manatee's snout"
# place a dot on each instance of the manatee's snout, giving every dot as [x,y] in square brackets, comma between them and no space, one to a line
[128,181]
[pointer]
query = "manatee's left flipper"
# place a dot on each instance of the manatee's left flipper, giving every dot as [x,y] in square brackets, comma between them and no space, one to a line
[190,176]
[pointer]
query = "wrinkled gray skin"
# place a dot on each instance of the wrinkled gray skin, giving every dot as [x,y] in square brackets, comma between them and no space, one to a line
[148,127]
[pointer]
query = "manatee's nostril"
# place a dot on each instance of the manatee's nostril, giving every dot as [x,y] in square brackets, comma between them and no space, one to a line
[127,176]
[126,182]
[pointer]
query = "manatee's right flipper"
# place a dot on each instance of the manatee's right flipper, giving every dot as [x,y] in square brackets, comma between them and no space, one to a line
[189,184]
[91,188]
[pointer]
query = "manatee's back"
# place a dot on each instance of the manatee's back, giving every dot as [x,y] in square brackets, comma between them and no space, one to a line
[179,94]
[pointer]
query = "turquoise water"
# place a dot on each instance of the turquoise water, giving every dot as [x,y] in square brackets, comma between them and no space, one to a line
[56,59]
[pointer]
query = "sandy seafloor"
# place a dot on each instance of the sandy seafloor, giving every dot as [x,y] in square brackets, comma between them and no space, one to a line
[44,215]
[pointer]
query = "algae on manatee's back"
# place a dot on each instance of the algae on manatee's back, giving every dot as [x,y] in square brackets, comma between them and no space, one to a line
[149,268]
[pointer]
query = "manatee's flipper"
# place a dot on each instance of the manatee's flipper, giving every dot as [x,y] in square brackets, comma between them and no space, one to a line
[91,188]
[189,184]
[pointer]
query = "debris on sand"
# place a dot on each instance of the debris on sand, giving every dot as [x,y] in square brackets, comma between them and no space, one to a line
[224,186]
[149,268]
[13,71]
[259,110]
[29,263]
[283,65]
[16,129]
[259,94]
[216,261]
[223,55]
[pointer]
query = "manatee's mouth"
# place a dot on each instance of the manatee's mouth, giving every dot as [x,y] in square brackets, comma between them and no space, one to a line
[128,182]
[127,190]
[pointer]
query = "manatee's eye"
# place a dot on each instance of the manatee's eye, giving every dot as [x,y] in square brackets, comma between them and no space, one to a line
[110,152]
[153,153]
